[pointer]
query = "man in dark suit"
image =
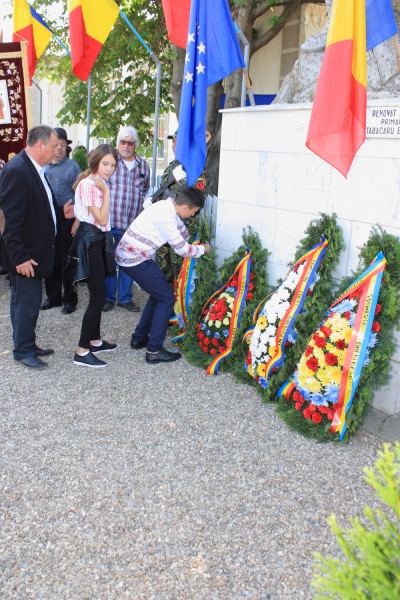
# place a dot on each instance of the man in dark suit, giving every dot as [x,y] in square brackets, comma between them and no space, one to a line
[30,226]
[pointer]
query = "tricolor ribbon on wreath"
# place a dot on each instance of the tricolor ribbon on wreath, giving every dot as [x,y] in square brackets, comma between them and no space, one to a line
[326,378]
[222,313]
[184,289]
[275,316]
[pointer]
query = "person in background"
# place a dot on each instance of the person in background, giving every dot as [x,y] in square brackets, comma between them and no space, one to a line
[92,250]
[62,174]
[30,226]
[128,187]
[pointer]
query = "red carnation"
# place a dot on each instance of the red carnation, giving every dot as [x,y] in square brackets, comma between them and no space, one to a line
[205,311]
[200,185]
[309,293]
[312,364]
[376,326]
[317,417]
[378,309]
[312,408]
[198,326]
[306,413]
[347,315]
[298,405]
[201,336]
[205,349]
[214,342]
[223,348]
[323,409]
[274,369]
[320,342]
[248,360]
[287,343]
[220,316]
[224,309]
[251,275]
[213,317]
[331,359]
[249,296]
[330,414]
[251,287]
[309,351]
[326,331]
[297,397]
[206,341]
[340,344]
[213,351]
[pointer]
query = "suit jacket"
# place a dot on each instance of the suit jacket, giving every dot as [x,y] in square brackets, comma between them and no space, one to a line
[26,220]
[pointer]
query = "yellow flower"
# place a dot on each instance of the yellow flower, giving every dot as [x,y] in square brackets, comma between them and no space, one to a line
[272,351]
[319,354]
[313,384]
[226,321]
[341,357]
[338,322]
[210,323]
[330,347]
[262,323]
[217,324]
[335,374]
[323,376]
[177,308]
[261,369]
[250,370]
[347,334]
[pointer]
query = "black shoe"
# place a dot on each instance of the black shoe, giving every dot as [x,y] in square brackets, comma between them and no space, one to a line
[89,360]
[40,352]
[68,309]
[105,347]
[162,356]
[49,304]
[129,306]
[137,345]
[108,306]
[32,362]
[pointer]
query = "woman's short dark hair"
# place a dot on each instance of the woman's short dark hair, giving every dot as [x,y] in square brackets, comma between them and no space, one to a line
[98,153]
[190,196]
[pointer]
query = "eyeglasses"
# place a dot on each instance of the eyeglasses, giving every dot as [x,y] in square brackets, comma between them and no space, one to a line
[124,142]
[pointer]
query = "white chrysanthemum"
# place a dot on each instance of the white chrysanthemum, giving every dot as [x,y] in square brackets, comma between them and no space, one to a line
[270,330]
[282,309]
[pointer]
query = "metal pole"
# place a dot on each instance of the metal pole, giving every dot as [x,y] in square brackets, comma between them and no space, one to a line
[158,92]
[89,106]
[246,44]
[40,99]
[156,115]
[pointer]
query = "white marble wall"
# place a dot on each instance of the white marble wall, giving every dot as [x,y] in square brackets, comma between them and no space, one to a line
[271,181]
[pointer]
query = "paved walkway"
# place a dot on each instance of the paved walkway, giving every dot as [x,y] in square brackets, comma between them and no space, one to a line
[157,482]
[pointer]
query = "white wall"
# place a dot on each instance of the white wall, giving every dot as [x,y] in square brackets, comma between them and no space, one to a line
[271,181]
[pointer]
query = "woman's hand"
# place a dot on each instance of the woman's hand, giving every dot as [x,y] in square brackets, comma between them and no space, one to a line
[101,183]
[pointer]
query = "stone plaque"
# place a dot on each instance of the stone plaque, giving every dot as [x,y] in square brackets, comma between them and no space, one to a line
[383,122]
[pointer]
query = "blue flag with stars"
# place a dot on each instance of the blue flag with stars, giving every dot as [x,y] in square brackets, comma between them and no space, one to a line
[212,53]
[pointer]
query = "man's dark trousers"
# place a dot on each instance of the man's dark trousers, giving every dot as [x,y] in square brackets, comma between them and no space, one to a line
[26,297]
[61,275]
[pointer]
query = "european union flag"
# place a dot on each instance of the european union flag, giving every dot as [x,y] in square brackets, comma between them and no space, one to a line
[381,24]
[212,53]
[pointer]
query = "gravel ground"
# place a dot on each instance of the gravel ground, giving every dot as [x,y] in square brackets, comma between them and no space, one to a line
[157,482]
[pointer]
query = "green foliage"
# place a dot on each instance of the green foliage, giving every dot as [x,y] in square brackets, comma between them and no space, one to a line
[123,76]
[208,285]
[376,373]
[370,569]
[314,305]
[80,156]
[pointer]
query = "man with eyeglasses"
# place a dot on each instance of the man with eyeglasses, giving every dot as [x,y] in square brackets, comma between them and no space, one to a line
[128,186]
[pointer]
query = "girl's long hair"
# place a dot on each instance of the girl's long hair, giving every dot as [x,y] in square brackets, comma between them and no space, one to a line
[94,159]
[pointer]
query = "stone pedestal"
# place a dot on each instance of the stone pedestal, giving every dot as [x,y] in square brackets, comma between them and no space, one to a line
[271,181]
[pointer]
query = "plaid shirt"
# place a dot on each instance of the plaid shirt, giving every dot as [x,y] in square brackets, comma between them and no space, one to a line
[127,192]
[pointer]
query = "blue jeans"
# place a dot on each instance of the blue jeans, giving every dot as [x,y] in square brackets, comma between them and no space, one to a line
[124,282]
[158,310]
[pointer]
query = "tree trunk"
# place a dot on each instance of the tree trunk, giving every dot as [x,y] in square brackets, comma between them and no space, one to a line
[177,77]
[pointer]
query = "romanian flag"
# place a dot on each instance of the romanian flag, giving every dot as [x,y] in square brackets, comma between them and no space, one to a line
[177,14]
[338,118]
[30,27]
[90,22]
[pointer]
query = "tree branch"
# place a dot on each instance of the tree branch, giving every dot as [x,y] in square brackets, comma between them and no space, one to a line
[289,10]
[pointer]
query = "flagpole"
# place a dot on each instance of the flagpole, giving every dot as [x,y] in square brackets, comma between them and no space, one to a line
[88,118]
[158,92]
[246,57]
